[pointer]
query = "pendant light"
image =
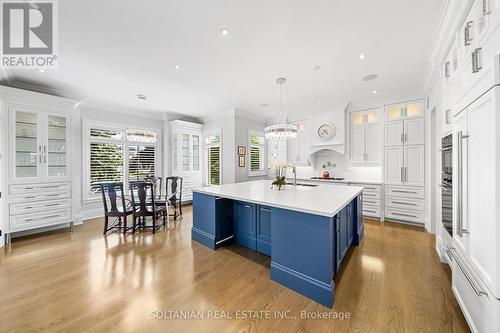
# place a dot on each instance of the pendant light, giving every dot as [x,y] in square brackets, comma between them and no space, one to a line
[284,130]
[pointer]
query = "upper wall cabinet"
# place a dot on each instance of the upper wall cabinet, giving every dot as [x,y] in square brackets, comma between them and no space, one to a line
[405,125]
[298,149]
[366,141]
[39,145]
[404,110]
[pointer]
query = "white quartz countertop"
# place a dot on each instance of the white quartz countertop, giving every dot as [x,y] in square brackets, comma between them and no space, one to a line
[344,181]
[325,200]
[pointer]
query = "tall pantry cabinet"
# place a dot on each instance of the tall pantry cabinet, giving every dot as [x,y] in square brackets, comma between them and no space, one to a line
[404,162]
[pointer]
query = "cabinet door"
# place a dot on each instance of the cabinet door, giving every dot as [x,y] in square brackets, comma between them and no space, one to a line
[55,148]
[414,109]
[264,230]
[393,165]
[414,133]
[459,125]
[394,133]
[414,165]
[374,143]
[394,112]
[196,152]
[27,142]
[482,169]
[185,152]
[245,224]
[357,143]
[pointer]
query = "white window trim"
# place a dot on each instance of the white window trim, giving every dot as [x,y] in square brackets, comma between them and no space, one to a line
[262,172]
[86,126]
[218,132]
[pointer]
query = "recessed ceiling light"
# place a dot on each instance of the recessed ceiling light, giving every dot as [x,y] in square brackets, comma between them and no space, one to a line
[177,67]
[224,31]
[370,77]
[374,92]
[319,103]
[40,70]
[242,96]
[317,68]
[264,105]
[142,97]
[362,56]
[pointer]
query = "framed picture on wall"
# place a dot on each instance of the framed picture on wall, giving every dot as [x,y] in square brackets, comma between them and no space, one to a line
[242,150]
[241,161]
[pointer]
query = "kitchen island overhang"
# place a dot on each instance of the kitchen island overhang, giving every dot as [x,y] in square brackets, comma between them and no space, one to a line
[307,231]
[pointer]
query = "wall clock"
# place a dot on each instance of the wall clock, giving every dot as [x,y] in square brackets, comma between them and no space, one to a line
[327,131]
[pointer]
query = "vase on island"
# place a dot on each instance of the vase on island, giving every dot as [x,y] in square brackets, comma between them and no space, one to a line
[280,175]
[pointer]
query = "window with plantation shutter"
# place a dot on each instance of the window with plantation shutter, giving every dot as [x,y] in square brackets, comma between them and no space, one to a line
[257,144]
[118,155]
[141,162]
[214,159]
[106,164]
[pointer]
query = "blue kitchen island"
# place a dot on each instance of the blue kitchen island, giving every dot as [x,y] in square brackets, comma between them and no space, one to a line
[306,230]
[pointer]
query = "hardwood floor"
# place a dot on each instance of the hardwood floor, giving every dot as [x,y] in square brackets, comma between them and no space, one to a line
[84,282]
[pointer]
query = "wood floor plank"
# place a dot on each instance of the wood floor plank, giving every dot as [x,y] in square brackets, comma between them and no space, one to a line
[80,281]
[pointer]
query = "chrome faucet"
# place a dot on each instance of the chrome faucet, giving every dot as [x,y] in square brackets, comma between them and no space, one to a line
[294,169]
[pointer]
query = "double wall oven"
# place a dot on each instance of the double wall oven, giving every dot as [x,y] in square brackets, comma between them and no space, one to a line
[446,183]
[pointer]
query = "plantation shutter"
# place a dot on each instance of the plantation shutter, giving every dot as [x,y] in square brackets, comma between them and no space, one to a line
[257,144]
[106,164]
[141,162]
[214,165]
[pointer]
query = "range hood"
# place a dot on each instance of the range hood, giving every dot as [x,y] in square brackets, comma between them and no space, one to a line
[338,148]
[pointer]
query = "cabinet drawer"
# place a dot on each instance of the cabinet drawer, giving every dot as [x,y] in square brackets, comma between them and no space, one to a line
[405,191]
[38,206]
[368,201]
[370,210]
[404,203]
[479,309]
[404,215]
[36,188]
[40,219]
[29,197]
[371,195]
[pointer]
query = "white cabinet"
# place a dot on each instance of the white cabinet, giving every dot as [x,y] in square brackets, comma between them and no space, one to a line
[394,159]
[413,165]
[39,145]
[407,110]
[475,162]
[404,161]
[372,199]
[298,149]
[408,131]
[38,178]
[187,155]
[366,142]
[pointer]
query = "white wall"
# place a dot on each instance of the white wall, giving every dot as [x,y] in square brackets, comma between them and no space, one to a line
[242,125]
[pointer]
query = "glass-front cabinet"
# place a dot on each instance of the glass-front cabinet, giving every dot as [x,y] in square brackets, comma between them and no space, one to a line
[39,142]
[404,111]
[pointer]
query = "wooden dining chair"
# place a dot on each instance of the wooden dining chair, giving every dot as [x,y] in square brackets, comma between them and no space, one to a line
[112,192]
[142,195]
[174,195]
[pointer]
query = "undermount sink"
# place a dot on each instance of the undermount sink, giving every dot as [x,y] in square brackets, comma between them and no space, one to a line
[302,184]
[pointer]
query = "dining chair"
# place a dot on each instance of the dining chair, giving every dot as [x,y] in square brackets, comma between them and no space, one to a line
[174,195]
[143,200]
[113,193]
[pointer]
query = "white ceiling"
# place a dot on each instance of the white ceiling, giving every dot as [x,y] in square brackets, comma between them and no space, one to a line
[112,50]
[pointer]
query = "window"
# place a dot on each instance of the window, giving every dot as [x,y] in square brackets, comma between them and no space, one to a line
[118,154]
[257,144]
[214,159]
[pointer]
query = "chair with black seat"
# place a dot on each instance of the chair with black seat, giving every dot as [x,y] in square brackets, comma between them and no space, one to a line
[110,192]
[143,201]
[160,200]
[174,195]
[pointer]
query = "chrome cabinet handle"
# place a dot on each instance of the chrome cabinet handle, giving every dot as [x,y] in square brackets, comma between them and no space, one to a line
[477,63]
[405,203]
[466,273]
[265,209]
[486,7]
[402,174]
[467,33]
[460,212]
[447,69]
[406,215]
[402,137]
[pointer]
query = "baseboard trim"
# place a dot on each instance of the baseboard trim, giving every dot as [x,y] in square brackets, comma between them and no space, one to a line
[321,292]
